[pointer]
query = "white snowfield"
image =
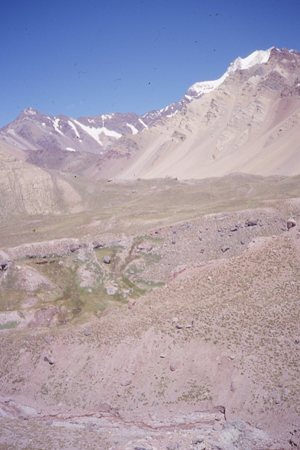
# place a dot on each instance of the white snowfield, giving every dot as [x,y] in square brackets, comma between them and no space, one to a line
[95,132]
[56,125]
[133,129]
[30,111]
[257,57]
[143,123]
[203,87]
[74,129]
[107,116]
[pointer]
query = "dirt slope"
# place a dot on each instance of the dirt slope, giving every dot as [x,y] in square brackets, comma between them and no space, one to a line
[222,133]
[28,190]
[210,360]
[249,124]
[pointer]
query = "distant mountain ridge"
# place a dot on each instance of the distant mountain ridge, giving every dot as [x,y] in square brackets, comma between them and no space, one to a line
[35,130]
[210,131]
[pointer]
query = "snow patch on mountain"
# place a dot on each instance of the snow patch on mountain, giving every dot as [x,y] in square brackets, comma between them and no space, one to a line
[204,87]
[107,116]
[110,133]
[30,112]
[74,129]
[56,125]
[12,131]
[91,131]
[257,57]
[172,114]
[133,129]
[143,123]
[96,132]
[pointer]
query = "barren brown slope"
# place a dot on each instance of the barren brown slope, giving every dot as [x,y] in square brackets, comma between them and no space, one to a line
[220,337]
[250,123]
[210,360]
[28,190]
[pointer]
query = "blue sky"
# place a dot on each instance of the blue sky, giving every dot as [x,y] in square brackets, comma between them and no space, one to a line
[87,57]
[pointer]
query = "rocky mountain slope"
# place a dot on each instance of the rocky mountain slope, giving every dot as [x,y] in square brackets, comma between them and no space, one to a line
[28,190]
[33,130]
[247,120]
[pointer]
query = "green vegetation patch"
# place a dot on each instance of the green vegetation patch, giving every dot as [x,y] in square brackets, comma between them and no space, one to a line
[9,325]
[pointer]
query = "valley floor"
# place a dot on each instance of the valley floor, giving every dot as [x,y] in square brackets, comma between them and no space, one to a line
[183,333]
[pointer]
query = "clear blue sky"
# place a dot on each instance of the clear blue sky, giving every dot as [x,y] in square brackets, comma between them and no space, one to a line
[86,57]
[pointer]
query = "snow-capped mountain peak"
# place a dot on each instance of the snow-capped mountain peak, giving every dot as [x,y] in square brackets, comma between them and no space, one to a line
[30,112]
[203,87]
[32,130]
[257,57]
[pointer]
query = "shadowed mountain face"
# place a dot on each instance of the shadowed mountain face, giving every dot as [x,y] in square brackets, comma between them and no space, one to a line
[245,121]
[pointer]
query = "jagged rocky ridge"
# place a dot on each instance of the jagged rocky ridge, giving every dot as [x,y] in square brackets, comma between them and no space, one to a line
[213,128]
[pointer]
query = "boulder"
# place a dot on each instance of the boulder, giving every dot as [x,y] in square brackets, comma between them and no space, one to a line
[290,223]
[251,222]
[4,261]
[97,244]
[74,247]
[49,359]
[107,259]
[145,247]
[87,332]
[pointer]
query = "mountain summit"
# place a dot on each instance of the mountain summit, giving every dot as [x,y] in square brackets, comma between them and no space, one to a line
[246,120]
[203,87]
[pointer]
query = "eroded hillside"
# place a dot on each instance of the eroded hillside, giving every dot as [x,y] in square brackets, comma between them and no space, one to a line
[173,326]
